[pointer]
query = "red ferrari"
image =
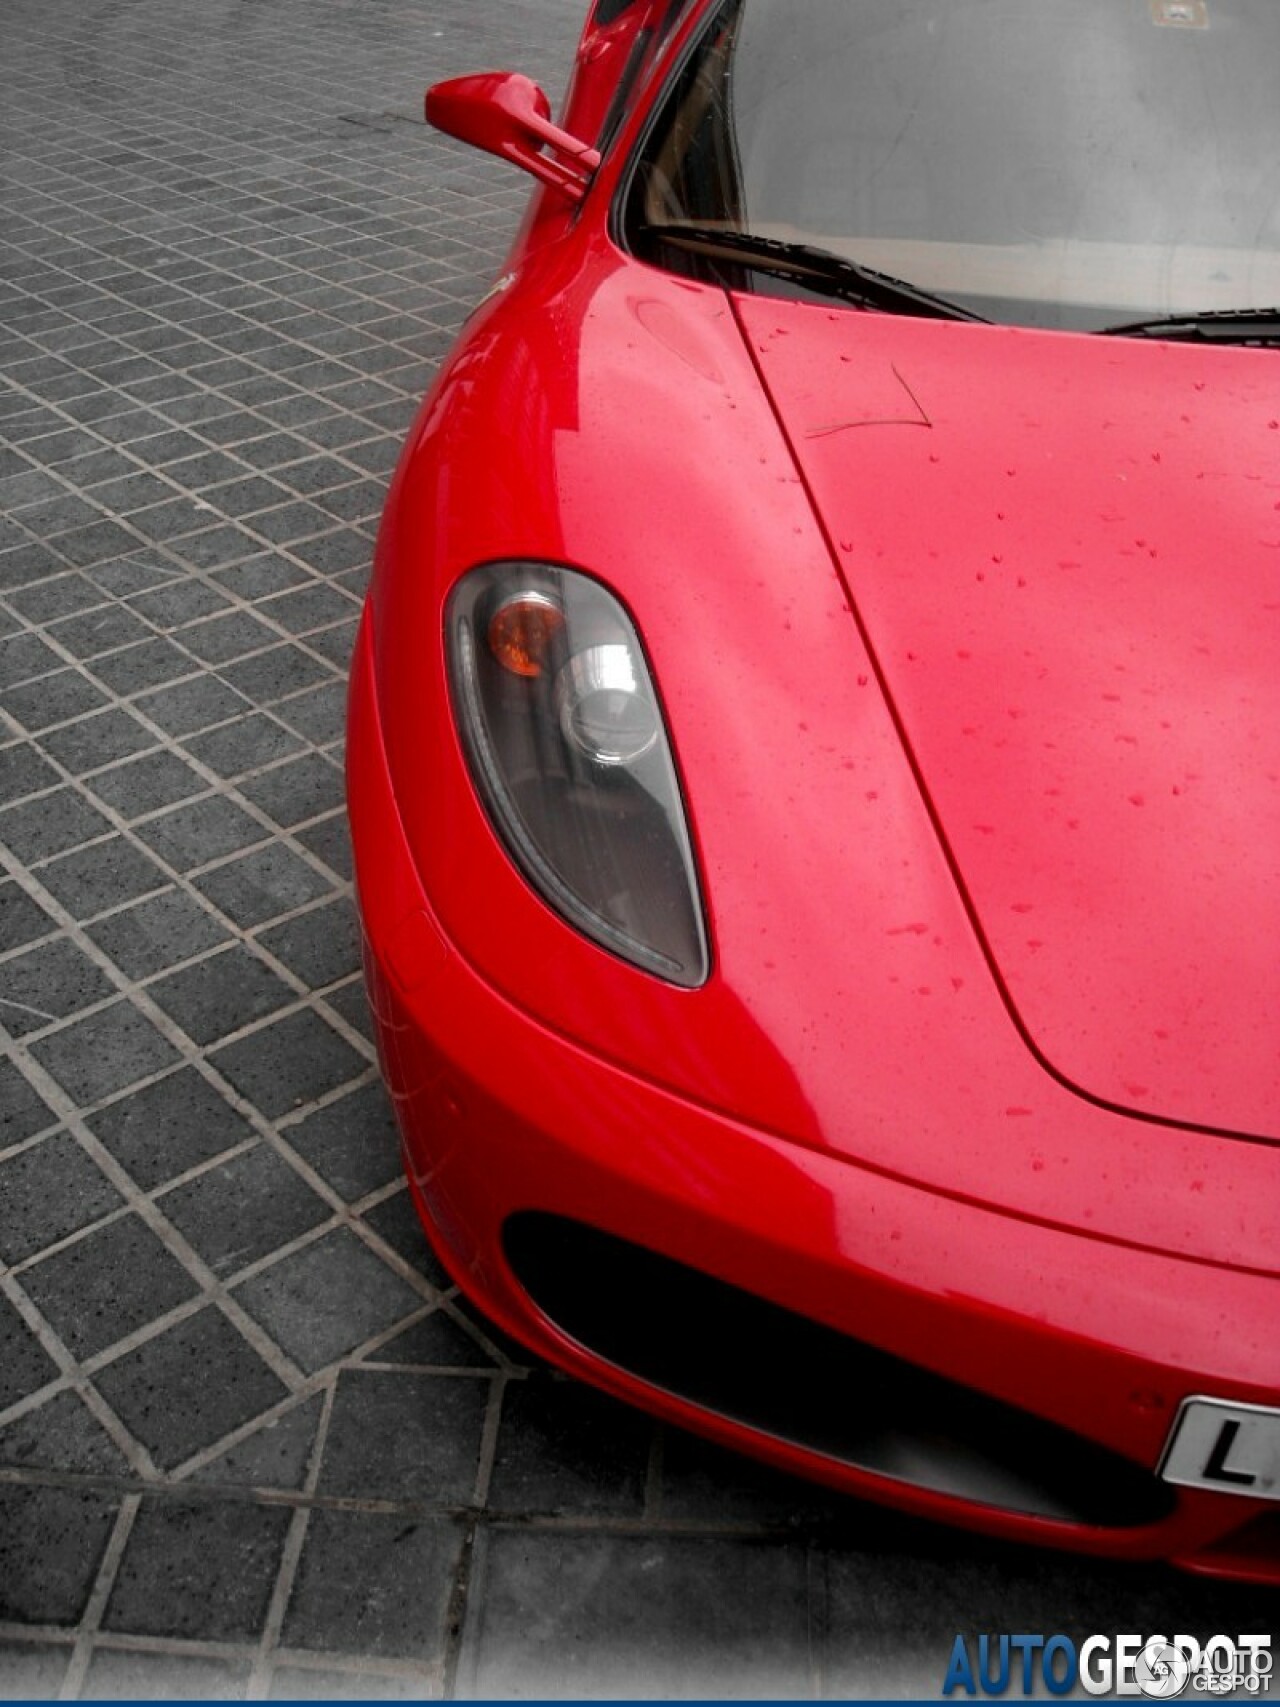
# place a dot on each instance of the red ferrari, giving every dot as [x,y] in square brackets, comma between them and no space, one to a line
[814,754]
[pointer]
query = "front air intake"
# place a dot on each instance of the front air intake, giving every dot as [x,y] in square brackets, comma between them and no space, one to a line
[746,1359]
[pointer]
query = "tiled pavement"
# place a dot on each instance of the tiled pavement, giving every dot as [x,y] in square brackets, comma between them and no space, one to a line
[249,1440]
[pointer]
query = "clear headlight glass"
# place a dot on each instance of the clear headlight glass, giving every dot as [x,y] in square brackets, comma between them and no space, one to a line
[565,738]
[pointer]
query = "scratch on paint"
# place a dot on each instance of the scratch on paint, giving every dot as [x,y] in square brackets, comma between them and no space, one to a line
[919,419]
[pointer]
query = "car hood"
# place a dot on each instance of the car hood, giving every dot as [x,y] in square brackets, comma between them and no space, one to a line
[1064,554]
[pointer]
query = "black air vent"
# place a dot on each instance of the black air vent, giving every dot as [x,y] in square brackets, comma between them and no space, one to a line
[742,1357]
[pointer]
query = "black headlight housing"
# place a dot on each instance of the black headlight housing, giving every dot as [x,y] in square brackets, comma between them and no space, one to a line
[568,749]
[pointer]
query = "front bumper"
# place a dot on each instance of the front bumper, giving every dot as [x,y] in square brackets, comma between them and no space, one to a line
[502,1118]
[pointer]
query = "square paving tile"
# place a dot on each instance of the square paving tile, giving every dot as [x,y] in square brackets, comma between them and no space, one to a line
[107,1285]
[374,1584]
[244,1209]
[61,1434]
[24,1367]
[49,1190]
[263,885]
[321,946]
[22,919]
[167,1127]
[202,831]
[221,994]
[157,932]
[201,1569]
[397,1435]
[46,983]
[109,1050]
[131,1675]
[51,1544]
[288,1063]
[89,880]
[162,1390]
[352,1143]
[326,1299]
[23,1112]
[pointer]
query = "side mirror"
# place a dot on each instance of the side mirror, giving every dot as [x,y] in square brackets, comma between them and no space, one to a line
[509,115]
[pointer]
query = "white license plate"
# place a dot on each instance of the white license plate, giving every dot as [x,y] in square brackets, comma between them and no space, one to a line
[1233,1449]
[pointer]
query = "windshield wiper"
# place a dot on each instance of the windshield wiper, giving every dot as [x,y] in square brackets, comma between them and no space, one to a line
[817,269]
[1213,326]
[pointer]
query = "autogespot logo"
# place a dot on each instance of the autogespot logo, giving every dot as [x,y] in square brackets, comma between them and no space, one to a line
[1159,1667]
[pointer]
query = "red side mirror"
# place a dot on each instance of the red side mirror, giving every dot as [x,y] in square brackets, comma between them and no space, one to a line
[509,115]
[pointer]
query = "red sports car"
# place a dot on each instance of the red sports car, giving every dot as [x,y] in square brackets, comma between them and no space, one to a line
[814,753]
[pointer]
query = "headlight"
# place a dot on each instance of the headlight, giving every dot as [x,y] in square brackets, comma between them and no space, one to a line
[564,735]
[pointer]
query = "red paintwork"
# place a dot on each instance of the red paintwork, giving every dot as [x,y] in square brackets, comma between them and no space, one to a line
[848,1117]
[1066,554]
[508,115]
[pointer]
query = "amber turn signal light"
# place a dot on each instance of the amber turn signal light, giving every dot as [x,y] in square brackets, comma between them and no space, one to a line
[523,630]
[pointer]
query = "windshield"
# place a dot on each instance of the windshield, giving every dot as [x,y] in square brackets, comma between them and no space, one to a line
[1063,163]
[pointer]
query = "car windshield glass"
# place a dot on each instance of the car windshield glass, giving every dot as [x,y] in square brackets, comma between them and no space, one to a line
[1062,163]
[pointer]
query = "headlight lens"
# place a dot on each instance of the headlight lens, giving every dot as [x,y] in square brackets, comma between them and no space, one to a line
[564,735]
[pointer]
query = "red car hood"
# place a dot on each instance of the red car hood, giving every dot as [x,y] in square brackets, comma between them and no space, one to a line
[1065,555]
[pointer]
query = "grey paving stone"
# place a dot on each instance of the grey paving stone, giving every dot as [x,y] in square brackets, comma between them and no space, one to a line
[205,830]
[189,706]
[62,595]
[51,700]
[24,1366]
[22,919]
[50,824]
[396,1221]
[94,741]
[351,1001]
[260,575]
[565,1450]
[106,1052]
[269,676]
[49,1190]
[89,880]
[221,994]
[32,1671]
[330,840]
[437,1341]
[106,1286]
[277,1455]
[326,1299]
[157,933]
[61,1434]
[146,784]
[24,657]
[51,1543]
[374,1584]
[262,885]
[288,1063]
[320,947]
[168,1127]
[299,791]
[162,1393]
[244,1209]
[143,666]
[318,714]
[602,1614]
[103,629]
[22,1110]
[23,772]
[46,983]
[351,1143]
[405,1436]
[243,745]
[132,1675]
[229,635]
[198,1569]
